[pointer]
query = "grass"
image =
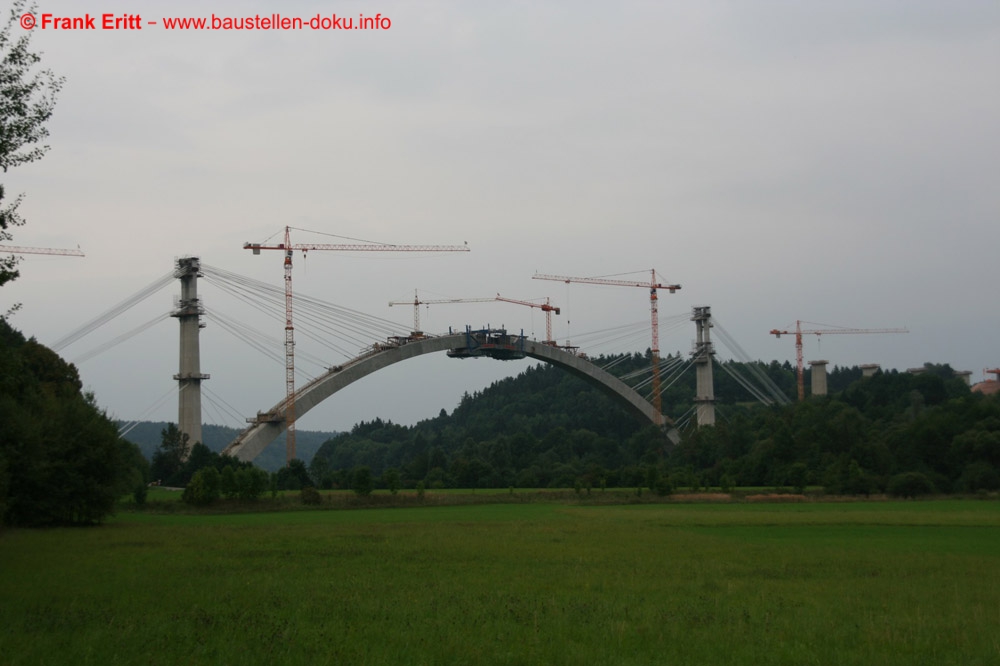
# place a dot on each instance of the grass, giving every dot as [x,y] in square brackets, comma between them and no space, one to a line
[545,583]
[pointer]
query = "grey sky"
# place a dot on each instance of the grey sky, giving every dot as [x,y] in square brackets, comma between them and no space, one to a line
[830,162]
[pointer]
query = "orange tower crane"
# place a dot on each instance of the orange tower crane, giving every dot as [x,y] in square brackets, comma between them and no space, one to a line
[652,285]
[546,307]
[288,248]
[416,302]
[799,332]
[13,249]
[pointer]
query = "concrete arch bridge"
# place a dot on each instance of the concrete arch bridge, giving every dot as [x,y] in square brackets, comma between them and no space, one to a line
[492,343]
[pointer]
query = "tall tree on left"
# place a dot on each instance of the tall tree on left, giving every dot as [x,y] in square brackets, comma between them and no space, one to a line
[27,99]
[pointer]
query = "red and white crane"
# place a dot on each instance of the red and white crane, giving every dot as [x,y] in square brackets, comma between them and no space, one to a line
[799,332]
[288,248]
[416,302]
[546,307]
[652,285]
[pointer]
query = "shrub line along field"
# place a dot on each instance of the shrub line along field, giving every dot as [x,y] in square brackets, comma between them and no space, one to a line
[525,583]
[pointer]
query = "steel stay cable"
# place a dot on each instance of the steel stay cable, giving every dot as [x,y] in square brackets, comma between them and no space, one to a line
[304,300]
[129,427]
[751,366]
[756,392]
[231,410]
[112,312]
[273,313]
[97,351]
[343,323]
[260,341]
[222,415]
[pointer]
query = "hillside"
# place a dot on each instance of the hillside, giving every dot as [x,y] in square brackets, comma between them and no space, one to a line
[546,428]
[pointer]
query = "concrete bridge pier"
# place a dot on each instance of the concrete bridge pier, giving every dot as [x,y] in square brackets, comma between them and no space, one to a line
[702,357]
[818,377]
[188,311]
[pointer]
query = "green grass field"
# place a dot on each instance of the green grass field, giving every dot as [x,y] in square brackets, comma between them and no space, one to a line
[547,583]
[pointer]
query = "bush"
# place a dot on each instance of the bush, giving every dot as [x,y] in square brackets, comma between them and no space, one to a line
[310,496]
[797,476]
[390,478]
[361,481]
[663,487]
[910,485]
[251,482]
[979,476]
[227,482]
[203,488]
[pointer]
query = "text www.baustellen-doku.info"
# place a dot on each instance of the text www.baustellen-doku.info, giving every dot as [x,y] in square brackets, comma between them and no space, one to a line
[87,21]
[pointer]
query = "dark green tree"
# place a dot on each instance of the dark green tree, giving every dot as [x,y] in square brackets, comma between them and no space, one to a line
[294,476]
[27,99]
[203,488]
[227,482]
[310,495]
[910,485]
[61,460]
[251,482]
[169,458]
[391,480]
[361,481]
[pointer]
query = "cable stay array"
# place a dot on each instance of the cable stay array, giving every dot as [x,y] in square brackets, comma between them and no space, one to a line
[128,335]
[765,390]
[223,412]
[130,426]
[337,328]
[262,343]
[683,422]
[106,316]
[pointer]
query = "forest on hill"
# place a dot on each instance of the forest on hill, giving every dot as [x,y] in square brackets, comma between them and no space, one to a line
[546,428]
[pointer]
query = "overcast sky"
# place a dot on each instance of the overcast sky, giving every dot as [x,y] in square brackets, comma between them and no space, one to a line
[834,162]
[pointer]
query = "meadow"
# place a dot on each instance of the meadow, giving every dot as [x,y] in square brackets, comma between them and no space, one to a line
[518,583]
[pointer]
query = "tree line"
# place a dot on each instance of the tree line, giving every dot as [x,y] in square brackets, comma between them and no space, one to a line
[545,428]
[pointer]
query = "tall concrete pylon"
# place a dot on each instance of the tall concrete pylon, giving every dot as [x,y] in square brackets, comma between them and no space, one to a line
[702,357]
[818,377]
[189,378]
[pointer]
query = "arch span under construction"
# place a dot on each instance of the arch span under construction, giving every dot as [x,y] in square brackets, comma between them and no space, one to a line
[496,344]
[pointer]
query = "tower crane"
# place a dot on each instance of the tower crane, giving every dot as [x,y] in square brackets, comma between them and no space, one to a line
[546,307]
[14,249]
[799,332]
[416,302]
[652,285]
[288,248]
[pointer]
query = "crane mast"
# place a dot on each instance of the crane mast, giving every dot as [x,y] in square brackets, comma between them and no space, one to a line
[434,301]
[653,286]
[546,307]
[799,332]
[288,248]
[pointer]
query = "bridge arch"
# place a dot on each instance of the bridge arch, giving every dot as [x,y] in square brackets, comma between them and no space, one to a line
[269,425]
